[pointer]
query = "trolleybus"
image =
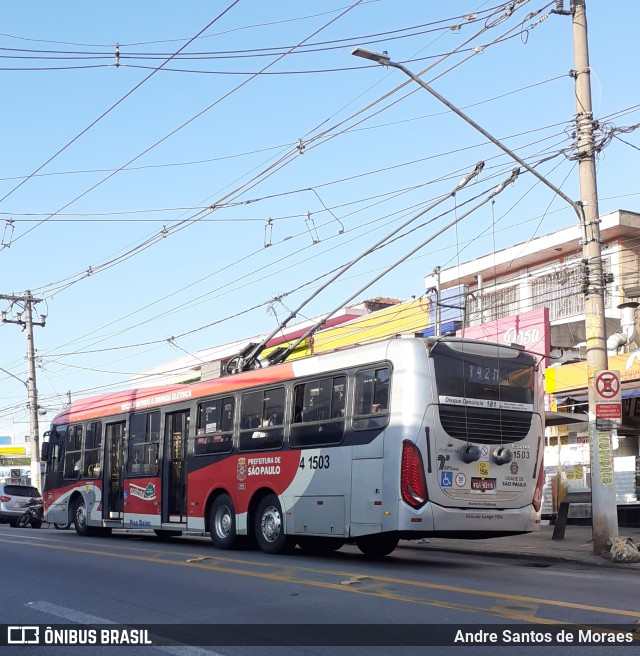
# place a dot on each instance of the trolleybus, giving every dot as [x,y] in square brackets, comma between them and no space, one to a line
[403,438]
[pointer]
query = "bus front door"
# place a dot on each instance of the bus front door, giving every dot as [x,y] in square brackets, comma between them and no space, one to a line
[113,472]
[175,468]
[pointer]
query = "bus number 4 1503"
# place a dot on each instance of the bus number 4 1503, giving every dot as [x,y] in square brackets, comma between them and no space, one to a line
[315,462]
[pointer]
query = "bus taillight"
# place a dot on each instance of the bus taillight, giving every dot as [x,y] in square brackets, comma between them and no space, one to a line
[537,494]
[413,485]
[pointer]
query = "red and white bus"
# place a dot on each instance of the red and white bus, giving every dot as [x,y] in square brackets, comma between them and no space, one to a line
[404,438]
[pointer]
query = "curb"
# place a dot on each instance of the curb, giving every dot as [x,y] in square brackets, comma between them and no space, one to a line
[565,557]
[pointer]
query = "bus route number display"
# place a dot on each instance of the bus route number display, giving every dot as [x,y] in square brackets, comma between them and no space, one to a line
[479,374]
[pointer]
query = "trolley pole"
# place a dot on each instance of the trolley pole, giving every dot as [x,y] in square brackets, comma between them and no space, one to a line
[603,493]
[27,301]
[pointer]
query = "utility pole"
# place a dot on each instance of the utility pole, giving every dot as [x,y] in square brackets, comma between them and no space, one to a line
[603,492]
[27,301]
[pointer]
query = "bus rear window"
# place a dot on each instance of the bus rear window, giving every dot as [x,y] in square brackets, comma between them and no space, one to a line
[506,381]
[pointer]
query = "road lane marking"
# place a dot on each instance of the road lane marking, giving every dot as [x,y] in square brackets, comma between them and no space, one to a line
[78,617]
[363,590]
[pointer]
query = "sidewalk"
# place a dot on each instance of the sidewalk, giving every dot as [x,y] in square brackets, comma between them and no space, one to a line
[577,546]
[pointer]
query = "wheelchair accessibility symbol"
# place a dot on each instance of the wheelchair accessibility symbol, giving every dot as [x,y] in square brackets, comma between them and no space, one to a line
[446,479]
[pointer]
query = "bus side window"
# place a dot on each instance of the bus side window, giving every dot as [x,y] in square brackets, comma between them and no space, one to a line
[372,398]
[319,408]
[214,430]
[56,441]
[144,440]
[262,420]
[93,449]
[73,452]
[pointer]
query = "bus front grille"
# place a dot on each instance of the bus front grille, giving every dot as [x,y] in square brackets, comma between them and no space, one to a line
[485,426]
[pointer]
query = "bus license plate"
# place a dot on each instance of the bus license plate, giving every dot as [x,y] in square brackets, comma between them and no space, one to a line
[483,484]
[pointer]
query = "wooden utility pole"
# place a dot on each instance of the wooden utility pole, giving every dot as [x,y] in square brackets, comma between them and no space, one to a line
[603,491]
[27,301]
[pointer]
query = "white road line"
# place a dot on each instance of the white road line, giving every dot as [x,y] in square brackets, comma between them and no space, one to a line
[78,617]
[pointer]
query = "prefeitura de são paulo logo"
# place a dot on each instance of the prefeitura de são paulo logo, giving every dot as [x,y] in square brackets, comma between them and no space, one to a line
[241,470]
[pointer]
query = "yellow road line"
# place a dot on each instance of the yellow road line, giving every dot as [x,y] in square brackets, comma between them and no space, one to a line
[211,565]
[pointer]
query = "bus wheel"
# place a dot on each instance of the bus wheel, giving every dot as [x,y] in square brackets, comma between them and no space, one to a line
[269,527]
[222,522]
[377,545]
[318,546]
[81,519]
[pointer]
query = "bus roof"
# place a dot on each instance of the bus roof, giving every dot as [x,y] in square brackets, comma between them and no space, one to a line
[115,403]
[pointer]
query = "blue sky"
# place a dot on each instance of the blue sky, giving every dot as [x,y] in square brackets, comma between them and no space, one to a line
[268,118]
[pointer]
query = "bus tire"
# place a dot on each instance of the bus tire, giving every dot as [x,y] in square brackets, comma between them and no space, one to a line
[319,545]
[81,519]
[222,522]
[378,545]
[269,527]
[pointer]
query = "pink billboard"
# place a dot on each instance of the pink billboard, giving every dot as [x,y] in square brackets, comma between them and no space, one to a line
[529,329]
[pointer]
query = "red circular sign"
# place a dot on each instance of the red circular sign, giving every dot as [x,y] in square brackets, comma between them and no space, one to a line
[607,384]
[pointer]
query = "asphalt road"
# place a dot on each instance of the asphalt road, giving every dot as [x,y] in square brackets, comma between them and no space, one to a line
[58,579]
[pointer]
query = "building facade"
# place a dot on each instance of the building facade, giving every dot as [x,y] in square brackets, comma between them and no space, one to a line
[549,272]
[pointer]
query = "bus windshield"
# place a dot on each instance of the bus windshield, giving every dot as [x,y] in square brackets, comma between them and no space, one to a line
[484,376]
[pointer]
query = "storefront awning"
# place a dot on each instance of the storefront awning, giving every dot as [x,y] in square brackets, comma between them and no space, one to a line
[563,418]
[583,398]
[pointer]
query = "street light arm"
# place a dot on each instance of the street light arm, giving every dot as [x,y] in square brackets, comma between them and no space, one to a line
[384,60]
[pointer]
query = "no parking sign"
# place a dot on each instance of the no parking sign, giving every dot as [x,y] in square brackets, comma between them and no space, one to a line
[608,399]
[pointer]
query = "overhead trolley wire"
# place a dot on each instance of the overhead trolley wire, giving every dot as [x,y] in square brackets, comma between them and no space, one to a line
[105,113]
[180,224]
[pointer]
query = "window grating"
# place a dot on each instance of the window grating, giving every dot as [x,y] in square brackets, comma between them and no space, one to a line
[485,426]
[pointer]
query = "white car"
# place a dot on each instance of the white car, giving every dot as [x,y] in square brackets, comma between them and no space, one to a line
[14,501]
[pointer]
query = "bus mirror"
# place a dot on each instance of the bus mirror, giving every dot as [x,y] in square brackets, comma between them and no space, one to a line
[44,452]
[470,453]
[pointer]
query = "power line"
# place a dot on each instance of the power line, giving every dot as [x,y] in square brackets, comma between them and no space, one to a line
[110,109]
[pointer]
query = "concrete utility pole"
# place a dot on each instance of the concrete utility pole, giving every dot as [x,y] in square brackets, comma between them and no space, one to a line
[604,509]
[603,491]
[27,301]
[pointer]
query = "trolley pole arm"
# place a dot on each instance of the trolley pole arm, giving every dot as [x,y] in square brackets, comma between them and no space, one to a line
[247,361]
[285,354]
